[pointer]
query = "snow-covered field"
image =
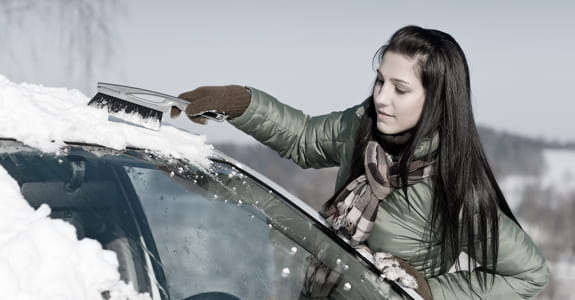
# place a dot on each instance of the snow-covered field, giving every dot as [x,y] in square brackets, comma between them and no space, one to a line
[555,190]
[560,171]
[40,257]
[558,176]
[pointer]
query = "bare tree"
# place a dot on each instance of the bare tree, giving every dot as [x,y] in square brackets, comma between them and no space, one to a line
[82,32]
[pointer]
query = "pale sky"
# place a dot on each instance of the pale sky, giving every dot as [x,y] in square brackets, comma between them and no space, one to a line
[317,55]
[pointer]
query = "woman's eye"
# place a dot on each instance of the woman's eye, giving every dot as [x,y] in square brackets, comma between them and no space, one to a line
[400,91]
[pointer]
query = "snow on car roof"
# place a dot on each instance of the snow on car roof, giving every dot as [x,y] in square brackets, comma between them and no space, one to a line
[46,117]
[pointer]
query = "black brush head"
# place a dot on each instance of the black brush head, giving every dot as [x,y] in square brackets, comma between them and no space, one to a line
[114,105]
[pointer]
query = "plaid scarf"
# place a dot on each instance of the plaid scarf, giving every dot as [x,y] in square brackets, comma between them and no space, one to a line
[354,209]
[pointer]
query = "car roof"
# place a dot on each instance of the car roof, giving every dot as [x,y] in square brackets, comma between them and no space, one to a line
[46,118]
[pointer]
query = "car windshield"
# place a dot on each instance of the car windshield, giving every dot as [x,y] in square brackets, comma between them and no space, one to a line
[184,232]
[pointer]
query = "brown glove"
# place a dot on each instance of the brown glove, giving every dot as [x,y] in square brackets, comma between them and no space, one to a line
[231,100]
[391,268]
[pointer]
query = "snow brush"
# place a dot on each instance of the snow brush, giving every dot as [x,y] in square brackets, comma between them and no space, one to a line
[141,107]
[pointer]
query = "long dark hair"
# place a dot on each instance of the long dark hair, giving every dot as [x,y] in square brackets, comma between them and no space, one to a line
[466,194]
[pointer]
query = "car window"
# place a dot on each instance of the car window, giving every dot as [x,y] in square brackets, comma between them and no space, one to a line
[85,189]
[181,231]
[238,236]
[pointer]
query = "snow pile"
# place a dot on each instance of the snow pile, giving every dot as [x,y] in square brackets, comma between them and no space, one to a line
[41,258]
[44,118]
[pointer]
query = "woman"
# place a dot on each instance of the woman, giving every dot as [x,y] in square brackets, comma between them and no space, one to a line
[413,179]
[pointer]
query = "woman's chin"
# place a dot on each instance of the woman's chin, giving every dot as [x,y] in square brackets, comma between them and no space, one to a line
[386,128]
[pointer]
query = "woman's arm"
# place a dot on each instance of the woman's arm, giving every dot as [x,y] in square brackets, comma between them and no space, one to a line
[521,270]
[315,142]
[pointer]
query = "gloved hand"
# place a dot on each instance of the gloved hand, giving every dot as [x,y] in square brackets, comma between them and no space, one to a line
[231,100]
[396,269]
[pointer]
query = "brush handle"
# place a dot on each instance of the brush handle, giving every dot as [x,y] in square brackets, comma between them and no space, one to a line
[160,102]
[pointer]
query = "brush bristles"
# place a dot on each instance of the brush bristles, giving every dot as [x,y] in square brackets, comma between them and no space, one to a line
[116,105]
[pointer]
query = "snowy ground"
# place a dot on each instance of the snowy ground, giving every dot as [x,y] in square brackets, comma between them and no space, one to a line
[558,176]
[564,276]
[40,257]
[556,188]
[560,171]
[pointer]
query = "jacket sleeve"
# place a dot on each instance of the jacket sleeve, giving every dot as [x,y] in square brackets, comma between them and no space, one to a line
[521,270]
[308,141]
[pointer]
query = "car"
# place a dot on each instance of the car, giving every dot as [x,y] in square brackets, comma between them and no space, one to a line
[184,227]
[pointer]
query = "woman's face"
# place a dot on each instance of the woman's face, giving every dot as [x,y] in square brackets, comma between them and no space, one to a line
[398,94]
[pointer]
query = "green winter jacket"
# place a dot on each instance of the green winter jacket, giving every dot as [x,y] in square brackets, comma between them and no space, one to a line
[328,140]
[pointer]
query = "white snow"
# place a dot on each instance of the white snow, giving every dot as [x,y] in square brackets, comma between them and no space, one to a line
[513,187]
[44,118]
[40,257]
[559,171]
[558,177]
[563,276]
[391,270]
[557,182]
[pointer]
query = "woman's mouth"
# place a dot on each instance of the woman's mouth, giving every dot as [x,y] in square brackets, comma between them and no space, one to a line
[384,115]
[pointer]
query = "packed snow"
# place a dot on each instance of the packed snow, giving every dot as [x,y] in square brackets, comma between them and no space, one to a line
[41,257]
[45,118]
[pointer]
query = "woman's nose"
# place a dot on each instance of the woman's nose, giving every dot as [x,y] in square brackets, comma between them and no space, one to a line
[381,95]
